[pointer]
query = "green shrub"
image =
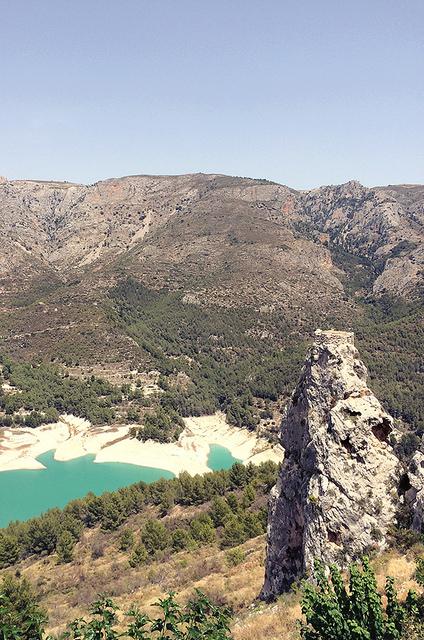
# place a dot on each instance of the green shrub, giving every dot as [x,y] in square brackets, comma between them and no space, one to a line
[126,540]
[419,573]
[138,556]
[334,611]
[200,619]
[235,556]
[21,618]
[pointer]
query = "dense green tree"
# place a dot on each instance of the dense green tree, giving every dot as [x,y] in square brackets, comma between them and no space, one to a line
[234,533]
[233,502]
[181,539]
[113,513]
[40,535]
[126,540]
[65,547]
[252,524]
[202,529]
[43,532]
[46,391]
[238,475]
[155,536]
[162,493]
[138,555]
[249,495]
[224,373]
[9,550]
[219,511]
[162,426]
[21,618]
[191,489]
[133,415]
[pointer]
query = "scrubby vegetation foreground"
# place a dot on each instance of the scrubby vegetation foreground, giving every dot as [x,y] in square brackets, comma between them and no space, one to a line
[160,529]
[22,619]
[332,608]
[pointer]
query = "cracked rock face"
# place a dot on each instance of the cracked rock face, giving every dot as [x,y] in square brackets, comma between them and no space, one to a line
[336,494]
[415,491]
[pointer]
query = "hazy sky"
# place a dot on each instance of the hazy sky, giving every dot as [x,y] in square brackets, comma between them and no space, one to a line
[304,92]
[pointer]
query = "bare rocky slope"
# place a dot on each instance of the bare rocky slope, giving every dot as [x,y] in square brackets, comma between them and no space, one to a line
[176,229]
[220,239]
[337,492]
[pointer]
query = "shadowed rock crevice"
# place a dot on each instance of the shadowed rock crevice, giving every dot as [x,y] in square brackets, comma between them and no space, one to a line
[411,488]
[382,430]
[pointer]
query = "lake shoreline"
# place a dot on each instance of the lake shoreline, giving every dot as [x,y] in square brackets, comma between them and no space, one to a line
[29,493]
[72,437]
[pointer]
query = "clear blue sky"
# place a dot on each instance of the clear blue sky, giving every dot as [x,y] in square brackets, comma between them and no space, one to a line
[304,92]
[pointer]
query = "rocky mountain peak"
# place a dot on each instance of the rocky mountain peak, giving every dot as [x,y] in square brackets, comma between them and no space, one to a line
[336,495]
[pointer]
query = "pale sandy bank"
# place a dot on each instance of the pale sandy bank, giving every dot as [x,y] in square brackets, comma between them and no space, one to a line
[73,437]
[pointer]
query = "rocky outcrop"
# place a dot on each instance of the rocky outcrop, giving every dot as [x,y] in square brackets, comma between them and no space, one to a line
[337,491]
[382,226]
[414,491]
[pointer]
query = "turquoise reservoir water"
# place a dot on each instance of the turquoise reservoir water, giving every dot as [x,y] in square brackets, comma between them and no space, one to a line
[220,458]
[27,493]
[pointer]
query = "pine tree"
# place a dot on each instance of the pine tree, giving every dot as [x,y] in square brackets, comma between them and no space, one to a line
[126,540]
[65,547]
[138,556]
[9,550]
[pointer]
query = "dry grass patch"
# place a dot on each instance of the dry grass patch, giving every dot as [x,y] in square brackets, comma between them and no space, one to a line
[66,591]
[273,622]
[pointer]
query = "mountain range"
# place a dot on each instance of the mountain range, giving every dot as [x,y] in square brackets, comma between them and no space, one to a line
[342,256]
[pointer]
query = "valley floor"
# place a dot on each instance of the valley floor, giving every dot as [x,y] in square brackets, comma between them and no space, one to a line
[73,437]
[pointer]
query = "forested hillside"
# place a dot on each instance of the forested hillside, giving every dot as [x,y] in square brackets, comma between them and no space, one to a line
[215,281]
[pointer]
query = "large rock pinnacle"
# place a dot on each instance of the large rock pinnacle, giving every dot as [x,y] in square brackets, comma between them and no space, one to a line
[336,494]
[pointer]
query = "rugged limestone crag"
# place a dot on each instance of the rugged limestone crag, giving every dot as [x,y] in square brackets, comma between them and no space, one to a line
[336,494]
[414,491]
[63,227]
